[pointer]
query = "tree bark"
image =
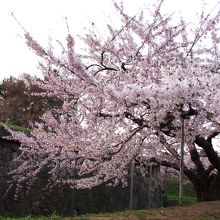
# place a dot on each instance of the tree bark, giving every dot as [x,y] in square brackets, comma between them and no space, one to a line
[206,182]
[207,188]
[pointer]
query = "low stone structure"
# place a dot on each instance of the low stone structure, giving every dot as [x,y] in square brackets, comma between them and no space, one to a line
[147,192]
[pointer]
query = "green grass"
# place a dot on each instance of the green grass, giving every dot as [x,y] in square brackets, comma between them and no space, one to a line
[17,128]
[140,214]
[29,217]
[172,191]
[195,211]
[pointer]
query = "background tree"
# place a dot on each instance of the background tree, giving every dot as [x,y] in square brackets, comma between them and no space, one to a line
[124,101]
[18,105]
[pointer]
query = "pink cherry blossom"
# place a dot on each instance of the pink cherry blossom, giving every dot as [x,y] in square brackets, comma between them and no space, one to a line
[124,100]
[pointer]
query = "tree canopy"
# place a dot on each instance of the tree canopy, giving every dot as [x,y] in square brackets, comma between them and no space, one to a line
[124,98]
[18,105]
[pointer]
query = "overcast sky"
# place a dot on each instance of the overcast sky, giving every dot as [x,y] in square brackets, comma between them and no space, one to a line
[45,18]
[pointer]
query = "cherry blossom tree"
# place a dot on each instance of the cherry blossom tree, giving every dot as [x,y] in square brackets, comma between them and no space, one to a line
[124,98]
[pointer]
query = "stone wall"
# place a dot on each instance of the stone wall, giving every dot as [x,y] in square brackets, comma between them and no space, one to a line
[65,201]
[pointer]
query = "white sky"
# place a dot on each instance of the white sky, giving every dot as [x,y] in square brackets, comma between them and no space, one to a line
[44,18]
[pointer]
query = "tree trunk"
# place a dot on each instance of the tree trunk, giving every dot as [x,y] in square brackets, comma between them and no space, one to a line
[207,188]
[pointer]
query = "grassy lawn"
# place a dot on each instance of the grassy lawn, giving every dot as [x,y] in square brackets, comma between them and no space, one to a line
[172,191]
[195,211]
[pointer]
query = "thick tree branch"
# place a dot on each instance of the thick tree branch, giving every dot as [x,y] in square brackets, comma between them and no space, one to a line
[128,115]
[196,160]
[169,148]
[136,120]
[209,170]
[206,145]
[122,143]
[189,173]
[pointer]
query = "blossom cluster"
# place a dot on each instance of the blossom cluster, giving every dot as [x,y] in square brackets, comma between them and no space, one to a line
[124,100]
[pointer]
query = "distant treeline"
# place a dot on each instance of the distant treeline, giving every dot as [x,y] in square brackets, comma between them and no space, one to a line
[18,105]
